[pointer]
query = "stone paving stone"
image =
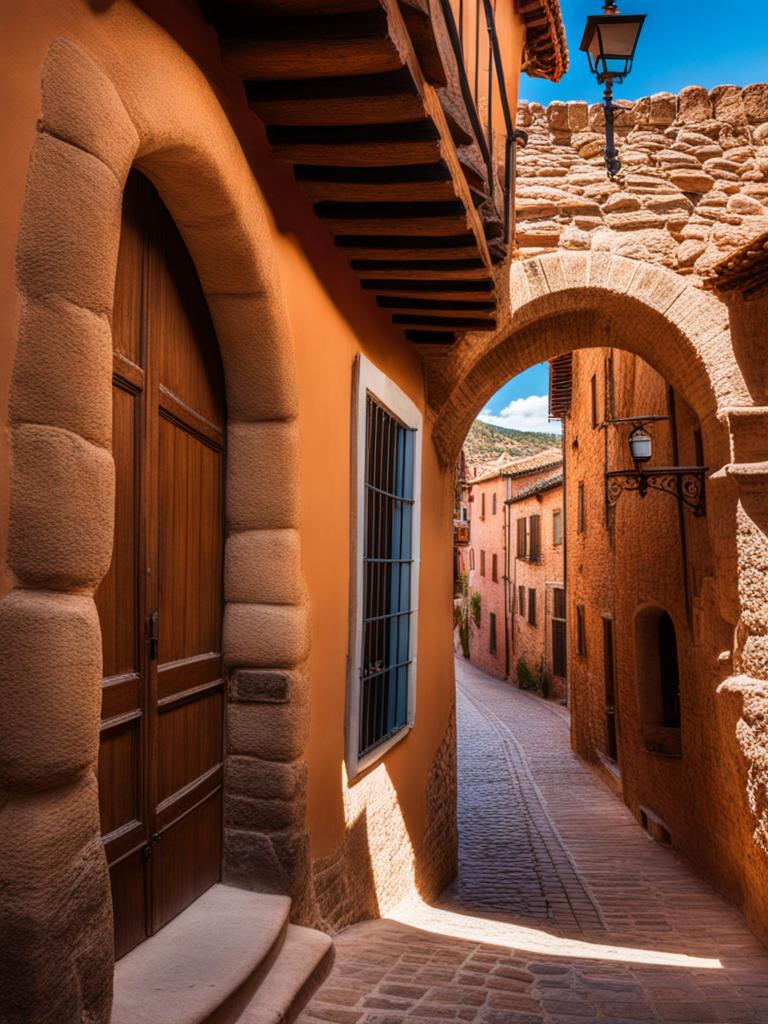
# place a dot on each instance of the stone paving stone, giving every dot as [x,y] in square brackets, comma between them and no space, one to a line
[564,910]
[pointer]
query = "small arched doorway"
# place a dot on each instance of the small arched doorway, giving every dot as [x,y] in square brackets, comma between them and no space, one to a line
[657,677]
[160,604]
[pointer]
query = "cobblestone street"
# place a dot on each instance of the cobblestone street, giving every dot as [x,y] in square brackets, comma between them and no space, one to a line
[564,910]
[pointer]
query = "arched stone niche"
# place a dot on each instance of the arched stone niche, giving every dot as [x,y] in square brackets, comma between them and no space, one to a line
[55,919]
[657,734]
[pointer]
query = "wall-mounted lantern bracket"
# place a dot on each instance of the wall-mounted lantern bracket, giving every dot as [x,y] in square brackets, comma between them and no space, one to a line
[683,482]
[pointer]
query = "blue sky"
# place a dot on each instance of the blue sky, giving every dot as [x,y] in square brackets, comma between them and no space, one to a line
[522,402]
[683,42]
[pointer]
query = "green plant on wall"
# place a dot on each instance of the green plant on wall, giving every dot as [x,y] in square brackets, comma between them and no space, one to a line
[461,613]
[475,606]
[527,678]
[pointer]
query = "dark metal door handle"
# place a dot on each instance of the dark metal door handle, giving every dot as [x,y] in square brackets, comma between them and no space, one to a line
[152,637]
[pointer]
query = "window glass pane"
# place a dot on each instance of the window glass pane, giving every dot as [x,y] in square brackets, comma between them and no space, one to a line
[389,489]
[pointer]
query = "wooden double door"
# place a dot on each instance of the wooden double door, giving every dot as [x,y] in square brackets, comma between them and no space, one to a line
[160,764]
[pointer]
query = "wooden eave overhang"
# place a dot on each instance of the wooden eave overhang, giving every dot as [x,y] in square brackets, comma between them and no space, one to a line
[546,51]
[744,271]
[359,97]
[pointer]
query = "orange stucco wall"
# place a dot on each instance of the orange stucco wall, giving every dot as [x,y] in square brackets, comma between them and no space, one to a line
[331,320]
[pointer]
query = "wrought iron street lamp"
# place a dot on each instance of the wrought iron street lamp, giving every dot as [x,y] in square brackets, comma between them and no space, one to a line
[684,482]
[610,41]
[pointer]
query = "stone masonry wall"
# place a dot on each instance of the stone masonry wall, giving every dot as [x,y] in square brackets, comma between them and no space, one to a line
[693,186]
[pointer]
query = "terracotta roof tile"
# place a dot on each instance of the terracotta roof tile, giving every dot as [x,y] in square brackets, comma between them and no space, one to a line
[546,50]
[744,270]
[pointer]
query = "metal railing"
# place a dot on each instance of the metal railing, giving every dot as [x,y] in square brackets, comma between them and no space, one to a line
[474,16]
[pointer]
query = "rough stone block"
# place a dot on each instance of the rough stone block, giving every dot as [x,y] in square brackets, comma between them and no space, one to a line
[253,777]
[557,116]
[278,864]
[578,116]
[63,370]
[263,566]
[272,732]
[56,946]
[755,100]
[262,815]
[62,509]
[663,108]
[81,106]
[70,226]
[265,636]
[254,686]
[727,104]
[262,477]
[258,355]
[694,105]
[50,664]
[696,182]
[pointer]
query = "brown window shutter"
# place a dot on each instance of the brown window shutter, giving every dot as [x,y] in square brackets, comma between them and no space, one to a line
[535,538]
[521,545]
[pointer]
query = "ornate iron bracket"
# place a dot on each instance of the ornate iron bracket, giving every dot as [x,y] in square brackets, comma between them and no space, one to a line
[683,482]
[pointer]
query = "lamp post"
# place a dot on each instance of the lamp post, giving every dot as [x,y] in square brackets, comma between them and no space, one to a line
[610,41]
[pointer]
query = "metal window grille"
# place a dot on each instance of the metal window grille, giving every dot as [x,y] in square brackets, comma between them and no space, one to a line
[558,632]
[387,563]
[532,606]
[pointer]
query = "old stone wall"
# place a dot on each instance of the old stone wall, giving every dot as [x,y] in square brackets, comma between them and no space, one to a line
[629,562]
[693,186]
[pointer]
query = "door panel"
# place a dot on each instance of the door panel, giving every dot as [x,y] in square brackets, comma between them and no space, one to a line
[160,766]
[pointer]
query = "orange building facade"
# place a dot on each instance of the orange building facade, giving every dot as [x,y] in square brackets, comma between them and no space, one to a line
[192,304]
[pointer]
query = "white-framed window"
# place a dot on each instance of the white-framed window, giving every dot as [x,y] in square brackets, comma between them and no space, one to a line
[386,528]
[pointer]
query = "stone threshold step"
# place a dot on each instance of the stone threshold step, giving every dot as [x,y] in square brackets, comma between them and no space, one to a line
[302,964]
[206,965]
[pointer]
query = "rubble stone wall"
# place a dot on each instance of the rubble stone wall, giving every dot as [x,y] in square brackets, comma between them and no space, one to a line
[693,185]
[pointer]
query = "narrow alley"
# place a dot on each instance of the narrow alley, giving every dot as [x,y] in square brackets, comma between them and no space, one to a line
[564,909]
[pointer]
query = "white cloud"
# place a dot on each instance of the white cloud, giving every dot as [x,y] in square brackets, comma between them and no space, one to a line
[524,414]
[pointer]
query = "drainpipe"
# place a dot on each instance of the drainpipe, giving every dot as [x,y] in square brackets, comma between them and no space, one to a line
[506,588]
[565,573]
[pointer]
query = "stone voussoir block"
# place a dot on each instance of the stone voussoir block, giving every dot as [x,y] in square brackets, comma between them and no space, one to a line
[70,226]
[81,106]
[264,635]
[254,777]
[260,814]
[263,566]
[62,509]
[272,732]
[56,931]
[258,355]
[263,475]
[50,664]
[66,384]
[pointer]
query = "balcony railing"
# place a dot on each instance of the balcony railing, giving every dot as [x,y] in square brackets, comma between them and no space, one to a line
[473,33]
[460,532]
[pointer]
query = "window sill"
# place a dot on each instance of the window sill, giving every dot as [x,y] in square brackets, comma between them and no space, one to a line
[365,762]
[664,743]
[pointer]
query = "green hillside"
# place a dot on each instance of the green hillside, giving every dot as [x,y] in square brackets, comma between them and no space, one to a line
[486,444]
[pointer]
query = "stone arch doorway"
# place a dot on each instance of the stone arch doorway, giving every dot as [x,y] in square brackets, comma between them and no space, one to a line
[96,123]
[564,302]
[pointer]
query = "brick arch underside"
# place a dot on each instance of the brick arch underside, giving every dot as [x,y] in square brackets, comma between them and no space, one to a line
[97,122]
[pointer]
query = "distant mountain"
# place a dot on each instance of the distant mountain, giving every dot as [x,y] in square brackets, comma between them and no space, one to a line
[486,445]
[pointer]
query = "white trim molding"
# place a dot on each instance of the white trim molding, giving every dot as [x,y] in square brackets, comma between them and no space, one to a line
[369,380]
